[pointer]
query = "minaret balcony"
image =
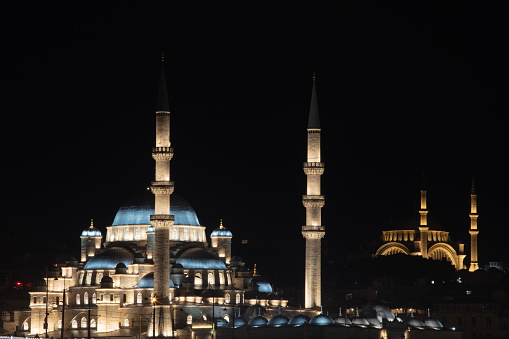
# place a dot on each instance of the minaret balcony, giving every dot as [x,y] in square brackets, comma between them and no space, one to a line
[313,201]
[314,168]
[162,220]
[313,232]
[162,153]
[162,187]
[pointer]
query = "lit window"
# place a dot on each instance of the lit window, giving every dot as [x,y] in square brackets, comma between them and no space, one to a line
[93,323]
[126,322]
[237,298]
[210,279]
[227,298]
[83,322]
[94,297]
[78,299]
[85,298]
[139,298]
[59,323]
[74,323]
[189,319]
[25,326]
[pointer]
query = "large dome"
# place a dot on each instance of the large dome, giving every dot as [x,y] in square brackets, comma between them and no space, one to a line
[140,214]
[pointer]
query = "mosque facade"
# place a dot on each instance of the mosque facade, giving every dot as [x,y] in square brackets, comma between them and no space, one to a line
[155,274]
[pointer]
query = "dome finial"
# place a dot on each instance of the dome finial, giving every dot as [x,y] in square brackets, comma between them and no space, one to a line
[221,223]
[162,56]
[91,223]
[254,271]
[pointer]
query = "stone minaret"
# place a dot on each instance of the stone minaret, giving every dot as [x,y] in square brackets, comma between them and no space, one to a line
[423,223]
[313,201]
[474,264]
[162,188]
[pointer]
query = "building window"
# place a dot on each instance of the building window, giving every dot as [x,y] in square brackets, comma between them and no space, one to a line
[227,318]
[221,278]
[98,279]
[59,323]
[126,322]
[89,278]
[85,298]
[83,322]
[189,319]
[197,279]
[237,298]
[57,301]
[227,298]
[93,323]
[74,323]
[139,298]
[78,299]
[25,326]
[35,300]
[210,279]
[175,235]
[111,296]
[124,298]
[94,297]
[137,234]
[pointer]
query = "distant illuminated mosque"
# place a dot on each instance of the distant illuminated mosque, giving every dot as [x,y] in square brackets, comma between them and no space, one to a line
[156,274]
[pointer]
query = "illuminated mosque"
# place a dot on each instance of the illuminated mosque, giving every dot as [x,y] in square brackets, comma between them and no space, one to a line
[155,273]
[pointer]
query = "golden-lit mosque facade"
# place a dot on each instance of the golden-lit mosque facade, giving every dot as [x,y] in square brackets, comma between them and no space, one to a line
[155,274]
[430,242]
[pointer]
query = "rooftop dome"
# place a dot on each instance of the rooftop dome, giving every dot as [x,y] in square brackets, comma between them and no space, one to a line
[298,320]
[415,322]
[200,258]
[239,322]
[140,214]
[257,321]
[109,258]
[148,281]
[321,320]
[91,231]
[432,322]
[278,320]
[221,231]
[262,284]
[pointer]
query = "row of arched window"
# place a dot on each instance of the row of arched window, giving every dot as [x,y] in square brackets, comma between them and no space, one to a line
[85,298]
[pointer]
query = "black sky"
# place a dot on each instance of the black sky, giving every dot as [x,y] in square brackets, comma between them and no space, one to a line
[402,89]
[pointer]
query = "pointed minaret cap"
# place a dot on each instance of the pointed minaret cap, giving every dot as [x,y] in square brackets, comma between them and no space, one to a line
[163,104]
[472,190]
[314,120]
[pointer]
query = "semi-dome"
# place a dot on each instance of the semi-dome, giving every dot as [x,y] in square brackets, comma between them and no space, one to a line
[199,258]
[109,258]
[148,281]
[140,214]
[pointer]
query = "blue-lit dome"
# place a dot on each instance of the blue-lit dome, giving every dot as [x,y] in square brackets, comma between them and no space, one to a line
[148,281]
[239,322]
[140,214]
[257,321]
[278,320]
[200,258]
[109,258]
[91,231]
[221,231]
[321,320]
[262,284]
[298,320]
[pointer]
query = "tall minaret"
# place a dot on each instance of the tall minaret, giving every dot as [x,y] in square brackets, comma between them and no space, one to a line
[313,201]
[474,264]
[162,188]
[423,223]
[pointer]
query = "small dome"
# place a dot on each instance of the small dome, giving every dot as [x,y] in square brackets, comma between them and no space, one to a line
[107,279]
[321,320]
[432,322]
[262,284]
[341,320]
[278,320]
[140,214]
[148,281]
[91,231]
[360,321]
[109,258]
[415,322]
[200,258]
[298,320]
[257,321]
[239,322]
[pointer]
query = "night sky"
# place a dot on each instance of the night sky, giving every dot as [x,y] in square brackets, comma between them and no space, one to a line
[403,89]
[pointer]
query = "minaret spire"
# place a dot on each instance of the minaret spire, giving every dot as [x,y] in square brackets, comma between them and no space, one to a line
[162,221]
[423,220]
[474,264]
[313,201]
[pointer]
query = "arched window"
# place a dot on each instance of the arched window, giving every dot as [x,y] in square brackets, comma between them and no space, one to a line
[85,298]
[137,233]
[175,234]
[93,323]
[237,298]
[210,279]
[221,278]
[74,323]
[59,323]
[25,326]
[89,278]
[186,234]
[139,298]
[98,278]
[197,279]
[227,298]
[126,322]
[189,319]
[83,322]
[94,298]
[78,299]
[124,298]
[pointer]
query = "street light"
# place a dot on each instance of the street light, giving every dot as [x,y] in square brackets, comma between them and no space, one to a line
[152,300]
